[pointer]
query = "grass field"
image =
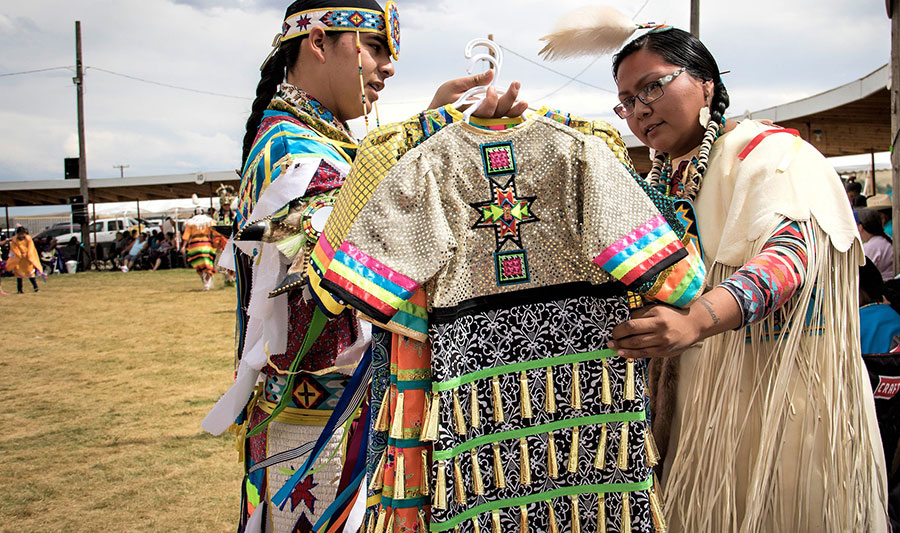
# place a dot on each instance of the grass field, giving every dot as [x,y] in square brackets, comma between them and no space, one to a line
[104,380]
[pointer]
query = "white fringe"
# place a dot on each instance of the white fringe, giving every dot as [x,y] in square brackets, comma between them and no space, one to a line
[777,435]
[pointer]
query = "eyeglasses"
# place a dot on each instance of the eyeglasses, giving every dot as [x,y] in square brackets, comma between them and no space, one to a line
[652,92]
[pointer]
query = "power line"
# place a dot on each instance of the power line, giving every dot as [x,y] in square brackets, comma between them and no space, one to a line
[33,71]
[558,73]
[170,86]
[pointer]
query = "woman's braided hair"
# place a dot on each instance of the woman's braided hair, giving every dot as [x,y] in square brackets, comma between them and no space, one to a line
[681,48]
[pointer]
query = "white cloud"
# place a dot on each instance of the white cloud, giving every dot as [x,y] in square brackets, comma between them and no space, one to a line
[777,51]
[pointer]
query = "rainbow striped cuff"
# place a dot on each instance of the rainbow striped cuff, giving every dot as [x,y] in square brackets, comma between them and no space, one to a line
[367,284]
[682,283]
[319,261]
[640,255]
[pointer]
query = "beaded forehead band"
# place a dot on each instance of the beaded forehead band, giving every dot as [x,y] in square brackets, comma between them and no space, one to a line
[386,23]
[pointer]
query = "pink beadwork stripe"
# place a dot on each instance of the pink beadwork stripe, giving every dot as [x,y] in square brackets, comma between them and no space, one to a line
[629,239]
[652,261]
[378,268]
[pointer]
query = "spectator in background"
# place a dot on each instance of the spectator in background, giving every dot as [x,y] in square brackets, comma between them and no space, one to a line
[135,252]
[879,324]
[876,243]
[168,226]
[23,260]
[161,253]
[854,193]
[883,204]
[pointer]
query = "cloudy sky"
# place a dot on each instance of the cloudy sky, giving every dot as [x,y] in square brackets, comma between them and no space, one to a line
[777,51]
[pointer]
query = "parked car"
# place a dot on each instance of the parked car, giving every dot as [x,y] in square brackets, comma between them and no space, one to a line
[103,232]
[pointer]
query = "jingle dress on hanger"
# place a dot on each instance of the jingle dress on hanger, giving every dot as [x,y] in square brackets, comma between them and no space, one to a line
[525,241]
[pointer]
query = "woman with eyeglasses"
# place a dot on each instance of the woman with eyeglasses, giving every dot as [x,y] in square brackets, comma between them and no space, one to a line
[767,412]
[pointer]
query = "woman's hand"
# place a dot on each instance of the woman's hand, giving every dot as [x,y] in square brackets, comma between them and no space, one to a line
[663,331]
[493,106]
[655,331]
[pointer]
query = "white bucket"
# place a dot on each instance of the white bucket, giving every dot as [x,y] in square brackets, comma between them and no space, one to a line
[71,266]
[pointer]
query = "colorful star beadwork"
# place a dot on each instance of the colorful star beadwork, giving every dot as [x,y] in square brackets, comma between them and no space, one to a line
[505,213]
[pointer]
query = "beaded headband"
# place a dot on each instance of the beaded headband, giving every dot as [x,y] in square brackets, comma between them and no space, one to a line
[386,23]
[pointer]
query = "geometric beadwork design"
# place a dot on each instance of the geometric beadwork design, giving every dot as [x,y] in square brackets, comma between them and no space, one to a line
[505,213]
[498,159]
[511,267]
[309,393]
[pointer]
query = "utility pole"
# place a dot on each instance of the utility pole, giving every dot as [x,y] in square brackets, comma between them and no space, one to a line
[695,18]
[893,11]
[121,169]
[82,162]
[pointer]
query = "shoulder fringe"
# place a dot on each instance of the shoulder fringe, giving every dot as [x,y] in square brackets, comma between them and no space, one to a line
[793,447]
[591,31]
[199,221]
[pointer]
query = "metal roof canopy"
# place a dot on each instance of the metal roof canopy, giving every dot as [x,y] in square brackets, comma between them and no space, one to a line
[168,187]
[852,119]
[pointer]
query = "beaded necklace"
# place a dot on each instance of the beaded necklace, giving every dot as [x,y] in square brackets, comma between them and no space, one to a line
[685,181]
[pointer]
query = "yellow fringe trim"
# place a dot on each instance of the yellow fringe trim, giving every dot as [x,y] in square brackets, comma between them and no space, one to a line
[601,513]
[552,465]
[399,475]
[524,395]
[554,527]
[378,474]
[550,392]
[497,400]
[629,379]
[381,423]
[477,480]
[426,470]
[524,462]
[423,524]
[650,447]
[495,521]
[459,488]
[382,518]
[432,420]
[573,452]
[656,511]
[626,514]
[576,387]
[576,515]
[473,406]
[600,458]
[605,388]
[499,476]
[397,423]
[458,414]
[440,490]
[622,462]
[523,519]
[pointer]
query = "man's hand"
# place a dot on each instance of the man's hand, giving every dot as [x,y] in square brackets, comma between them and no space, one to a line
[493,106]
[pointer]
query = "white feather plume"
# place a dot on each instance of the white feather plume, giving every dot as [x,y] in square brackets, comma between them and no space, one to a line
[592,30]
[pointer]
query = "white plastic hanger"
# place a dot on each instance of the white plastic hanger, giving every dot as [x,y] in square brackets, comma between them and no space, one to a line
[474,96]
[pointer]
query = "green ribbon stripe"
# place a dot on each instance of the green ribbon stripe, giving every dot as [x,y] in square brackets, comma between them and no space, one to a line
[405,504]
[442,455]
[416,384]
[538,497]
[405,443]
[524,365]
